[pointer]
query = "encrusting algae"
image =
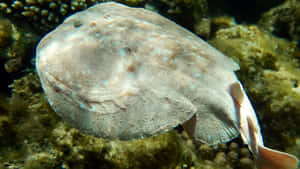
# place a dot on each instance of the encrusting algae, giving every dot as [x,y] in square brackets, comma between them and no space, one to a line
[32,136]
[270,71]
[283,20]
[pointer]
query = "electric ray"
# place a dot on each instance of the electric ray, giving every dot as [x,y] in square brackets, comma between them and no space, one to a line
[124,73]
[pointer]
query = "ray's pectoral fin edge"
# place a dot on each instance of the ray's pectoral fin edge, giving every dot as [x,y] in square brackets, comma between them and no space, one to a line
[209,129]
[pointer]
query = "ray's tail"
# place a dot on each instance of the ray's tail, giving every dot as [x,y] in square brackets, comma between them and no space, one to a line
[272,159]
[267,158]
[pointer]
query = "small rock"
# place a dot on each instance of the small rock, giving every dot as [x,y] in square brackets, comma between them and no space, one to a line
[220,158]
[246,163]
[233,156]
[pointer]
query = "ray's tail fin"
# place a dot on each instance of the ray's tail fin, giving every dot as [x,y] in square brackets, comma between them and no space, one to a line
[266,158]
[272,159]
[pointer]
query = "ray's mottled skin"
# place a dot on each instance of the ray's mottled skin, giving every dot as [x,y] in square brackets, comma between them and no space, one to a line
[124,73]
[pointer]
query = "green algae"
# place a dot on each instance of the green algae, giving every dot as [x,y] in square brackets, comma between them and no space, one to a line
[270,73]
[283,20]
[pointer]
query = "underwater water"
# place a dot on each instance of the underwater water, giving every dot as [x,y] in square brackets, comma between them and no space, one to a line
[262,37]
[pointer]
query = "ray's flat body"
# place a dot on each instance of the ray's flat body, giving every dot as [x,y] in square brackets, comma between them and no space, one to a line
[123,73]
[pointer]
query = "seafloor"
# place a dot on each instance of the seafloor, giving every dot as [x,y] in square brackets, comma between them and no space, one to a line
[262,36]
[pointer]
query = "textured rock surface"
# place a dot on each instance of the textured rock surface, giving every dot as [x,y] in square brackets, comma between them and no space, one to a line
[270,71]
[283,20]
